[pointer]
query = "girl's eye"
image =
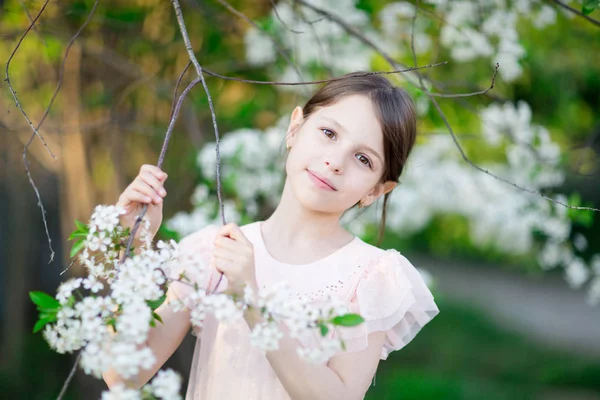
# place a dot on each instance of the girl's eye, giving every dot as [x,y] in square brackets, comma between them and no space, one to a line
[362,159]
[330,131]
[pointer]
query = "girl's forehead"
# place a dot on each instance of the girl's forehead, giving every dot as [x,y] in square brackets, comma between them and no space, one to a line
[354,114]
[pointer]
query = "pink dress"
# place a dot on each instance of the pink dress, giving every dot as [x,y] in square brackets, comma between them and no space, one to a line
[381,285]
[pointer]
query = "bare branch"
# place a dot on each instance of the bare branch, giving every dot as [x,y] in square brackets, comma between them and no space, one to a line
[177,88]
[407,69]
[280,20]
[31,21]
[12,90]
[277,45]
[62,67]
[161,159]
[66,384]
[357,34]
[577,12]
[190,50]
[463,94]
[36,129]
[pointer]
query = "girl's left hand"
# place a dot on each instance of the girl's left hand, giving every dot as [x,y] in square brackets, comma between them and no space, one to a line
[233,255]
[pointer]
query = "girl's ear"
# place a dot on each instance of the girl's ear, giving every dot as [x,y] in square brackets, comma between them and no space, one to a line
[378,191]
[296,121]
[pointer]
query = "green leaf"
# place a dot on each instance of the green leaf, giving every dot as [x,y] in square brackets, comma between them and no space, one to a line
[165,233]
[40,324]
[47,312]
[588,6]
[76,248]
[44,301]
[49,315]
[324,329]
[112,322]
[157,317]
[347,320]
[77,234]
[154,304]
[81,226]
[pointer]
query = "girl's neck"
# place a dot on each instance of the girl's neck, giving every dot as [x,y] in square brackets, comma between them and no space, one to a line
[293,227]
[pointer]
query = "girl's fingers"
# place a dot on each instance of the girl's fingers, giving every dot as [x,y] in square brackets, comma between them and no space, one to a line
[152,181]
[225,242]
[224,266]
[154,170]
[233,231]
[138,197]
[142,187]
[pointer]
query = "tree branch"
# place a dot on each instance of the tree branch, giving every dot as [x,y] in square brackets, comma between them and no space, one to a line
[190,50]
[576,12]
[277,45]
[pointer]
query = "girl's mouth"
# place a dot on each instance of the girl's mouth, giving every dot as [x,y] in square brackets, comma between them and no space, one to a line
[319,182]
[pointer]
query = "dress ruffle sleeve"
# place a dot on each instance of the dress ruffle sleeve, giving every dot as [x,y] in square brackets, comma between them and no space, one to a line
[391,296]
[192,265]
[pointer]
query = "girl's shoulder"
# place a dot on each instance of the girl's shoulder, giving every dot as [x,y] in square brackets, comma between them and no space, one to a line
[392,295]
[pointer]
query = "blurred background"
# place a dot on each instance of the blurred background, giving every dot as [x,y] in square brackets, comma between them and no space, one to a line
[516,276]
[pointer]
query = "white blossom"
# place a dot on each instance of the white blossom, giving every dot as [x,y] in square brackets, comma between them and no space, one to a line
[166,385]
[266,336]
[121,392]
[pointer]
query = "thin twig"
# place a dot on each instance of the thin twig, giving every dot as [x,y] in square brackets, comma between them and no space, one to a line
[177,87]
[24,6]
[577,12]
[277,45]
[277,83]
[190,51]
[66,384]
[62,67]
[359,35]
[161,159]
[463,94]
[36,129]
[281,20]
[10,87]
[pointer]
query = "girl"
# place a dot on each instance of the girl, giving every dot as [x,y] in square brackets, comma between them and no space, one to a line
[346,147]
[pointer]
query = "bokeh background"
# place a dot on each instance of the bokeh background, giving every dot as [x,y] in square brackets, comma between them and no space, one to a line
[515,276]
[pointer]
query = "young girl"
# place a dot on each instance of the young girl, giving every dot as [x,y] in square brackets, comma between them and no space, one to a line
[346,147]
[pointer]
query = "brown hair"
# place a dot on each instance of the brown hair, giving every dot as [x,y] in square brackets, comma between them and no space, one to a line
[395,111]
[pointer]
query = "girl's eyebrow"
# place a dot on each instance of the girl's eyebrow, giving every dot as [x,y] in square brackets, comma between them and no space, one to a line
[341,128]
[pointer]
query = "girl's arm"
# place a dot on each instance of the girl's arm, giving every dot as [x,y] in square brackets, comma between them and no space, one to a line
[163,339]
[346,376]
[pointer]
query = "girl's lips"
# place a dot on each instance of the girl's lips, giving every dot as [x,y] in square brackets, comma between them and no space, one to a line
[317,181]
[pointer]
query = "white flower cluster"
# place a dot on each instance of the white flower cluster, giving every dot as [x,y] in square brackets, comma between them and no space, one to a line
[166,385]
[488,28]
[298,316]
[111,330]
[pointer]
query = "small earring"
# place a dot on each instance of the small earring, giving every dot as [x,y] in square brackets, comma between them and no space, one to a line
[287,146]
[360,204]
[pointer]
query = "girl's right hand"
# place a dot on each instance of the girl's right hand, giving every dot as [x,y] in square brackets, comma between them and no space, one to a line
[146,188]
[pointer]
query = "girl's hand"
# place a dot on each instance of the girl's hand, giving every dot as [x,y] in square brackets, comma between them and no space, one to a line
[234,256]
[146,188]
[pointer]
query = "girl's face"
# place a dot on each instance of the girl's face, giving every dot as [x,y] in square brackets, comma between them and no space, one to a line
[341,144]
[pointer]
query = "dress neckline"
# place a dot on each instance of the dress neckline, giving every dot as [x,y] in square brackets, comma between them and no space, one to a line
[319,261]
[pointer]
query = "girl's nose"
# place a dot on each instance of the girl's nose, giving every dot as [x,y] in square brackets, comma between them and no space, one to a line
[335,167]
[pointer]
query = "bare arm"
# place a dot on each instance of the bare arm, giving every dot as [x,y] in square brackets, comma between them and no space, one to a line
[346,376]
[163,339]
